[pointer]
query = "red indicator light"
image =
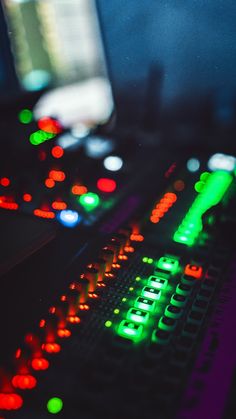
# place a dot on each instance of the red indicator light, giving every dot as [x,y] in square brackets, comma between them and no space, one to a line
[5,181]
[40,364]
[50,125]
[9,205]
[129,249]
[51,348]
[50,183]
[193,270]
[24,381]
[27,197]
[57,152]
[42,155]
[106,185]
[59,205]
[44,214]
[42,323]
[179,185]
[18,353]
[10,401]
[57,175]
[79,190]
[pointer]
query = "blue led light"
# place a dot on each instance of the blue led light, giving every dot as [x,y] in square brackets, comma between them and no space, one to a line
[69,218]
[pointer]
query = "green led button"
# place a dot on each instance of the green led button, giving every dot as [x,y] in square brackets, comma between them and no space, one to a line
[54,405]
[173,312]
[156,282]
[167,323]
[130,330]
[161,337]
[144,304]
[178,300]
[169,264]
[89,201]
[151,293]
[137,316]
[183,289]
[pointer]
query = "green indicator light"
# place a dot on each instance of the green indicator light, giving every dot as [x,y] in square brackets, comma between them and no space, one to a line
[178,300]
[25,116]
[54,405]
[39,137]
[130,330]
[144,304]
[116,311]
[158,283]
[89,201]
[137,278]
[212,188]
[204,176]
[150,261]
[131,288]
[145,259]
[124,299]
[137,316]
[168,264]
[108,323]
[151,293]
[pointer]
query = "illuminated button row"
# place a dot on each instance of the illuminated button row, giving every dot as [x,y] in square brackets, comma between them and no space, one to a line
[211,188]
[166,202]
[137,316]
[57,325]
[174,310]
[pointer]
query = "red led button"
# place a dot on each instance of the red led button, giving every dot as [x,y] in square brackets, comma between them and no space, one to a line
[106,185]
[10,401]
[193,270]
[57,152]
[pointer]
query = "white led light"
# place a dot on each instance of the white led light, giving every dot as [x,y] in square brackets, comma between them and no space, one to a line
[69,218]
[67,140]
[193,165]
[98,147]
[221,161]
[113,163]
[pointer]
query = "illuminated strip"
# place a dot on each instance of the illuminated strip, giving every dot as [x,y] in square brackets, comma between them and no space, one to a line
[163,206]
[211,193]
[44,214]
[9,205]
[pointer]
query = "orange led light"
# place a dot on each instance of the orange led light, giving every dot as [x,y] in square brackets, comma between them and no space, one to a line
[57,152]
[64,333]
[73,319]
[10,401]
[101,284]
[193,270]
[52,310]
[27,197]
[63,298]
[92,295]
[116,266]
[123,257]
[5,181]
[109,275]
[44,214]
[50,183]
[84,307]
[59,205]
[24,381]
[57,175]
[129,249]
[51,348]
[40,364]
[79,189]
[136,237]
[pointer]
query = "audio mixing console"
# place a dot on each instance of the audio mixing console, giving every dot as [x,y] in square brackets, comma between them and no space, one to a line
[137,325]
